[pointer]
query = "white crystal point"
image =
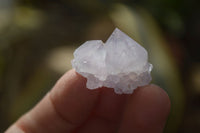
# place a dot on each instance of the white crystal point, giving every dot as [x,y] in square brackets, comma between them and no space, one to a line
[121,63]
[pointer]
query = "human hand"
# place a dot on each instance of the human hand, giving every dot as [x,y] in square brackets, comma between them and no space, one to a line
[70,107]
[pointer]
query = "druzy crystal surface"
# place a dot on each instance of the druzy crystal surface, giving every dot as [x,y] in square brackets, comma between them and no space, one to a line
[119,63]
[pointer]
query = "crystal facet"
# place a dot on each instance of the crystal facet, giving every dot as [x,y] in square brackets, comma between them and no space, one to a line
[120,63]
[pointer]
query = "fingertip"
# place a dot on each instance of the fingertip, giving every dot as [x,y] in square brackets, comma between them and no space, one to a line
[153,90]
[154,102]
[71,97]
[164,97]
[153,93]
[146,111]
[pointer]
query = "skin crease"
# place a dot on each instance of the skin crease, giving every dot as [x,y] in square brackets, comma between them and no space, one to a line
[72,108]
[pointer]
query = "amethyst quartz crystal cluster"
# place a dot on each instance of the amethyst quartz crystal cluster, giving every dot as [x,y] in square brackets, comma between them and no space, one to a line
[120,63]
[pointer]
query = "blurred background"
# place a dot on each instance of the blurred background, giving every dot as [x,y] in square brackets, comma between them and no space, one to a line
[37,40]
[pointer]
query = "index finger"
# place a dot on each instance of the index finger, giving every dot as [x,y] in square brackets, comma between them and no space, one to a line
[64,108]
